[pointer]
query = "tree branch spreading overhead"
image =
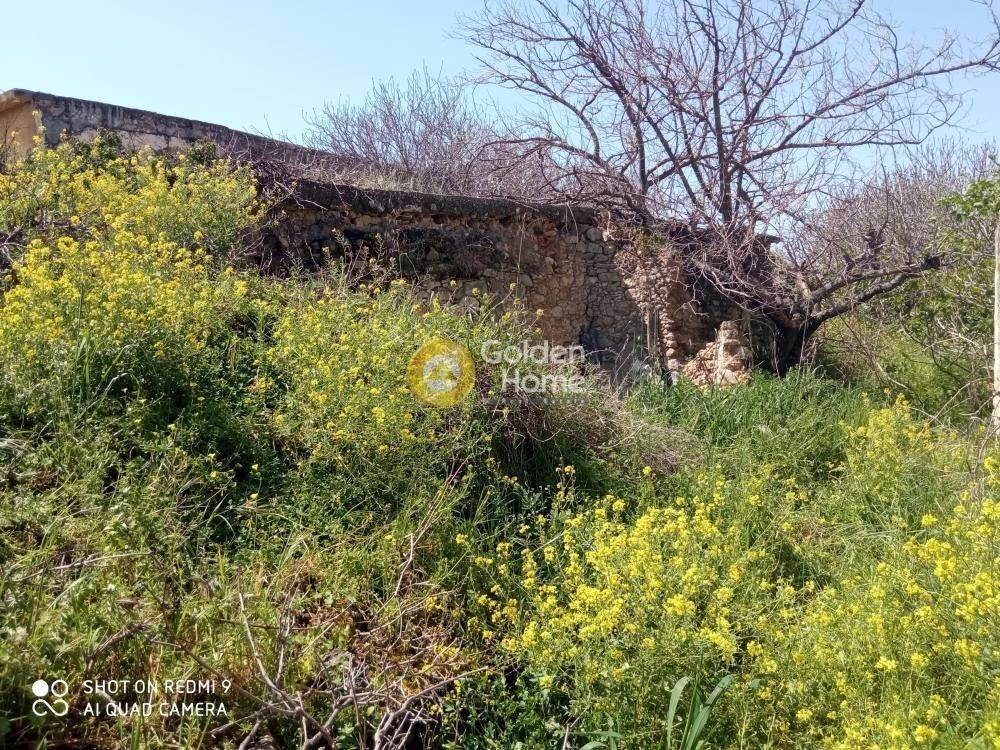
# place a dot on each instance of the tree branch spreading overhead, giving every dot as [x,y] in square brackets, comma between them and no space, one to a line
[742,118]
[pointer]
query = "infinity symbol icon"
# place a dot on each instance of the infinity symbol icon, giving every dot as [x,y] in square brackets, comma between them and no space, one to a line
[57,707]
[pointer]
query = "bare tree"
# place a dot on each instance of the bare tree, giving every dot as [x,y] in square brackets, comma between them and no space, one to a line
[425,129]
[428,134]
[944,324]
[737,117]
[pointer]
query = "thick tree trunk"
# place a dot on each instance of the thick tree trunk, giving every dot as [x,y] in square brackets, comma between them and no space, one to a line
[788,346]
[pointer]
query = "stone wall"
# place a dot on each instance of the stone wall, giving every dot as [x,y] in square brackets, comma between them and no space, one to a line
[24,114]
[681,318]
[461,249]
[621,305]
[624,306]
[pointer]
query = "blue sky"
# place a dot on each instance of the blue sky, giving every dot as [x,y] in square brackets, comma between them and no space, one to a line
[258,65]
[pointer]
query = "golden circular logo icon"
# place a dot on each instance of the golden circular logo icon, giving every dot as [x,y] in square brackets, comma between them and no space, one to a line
[441,373]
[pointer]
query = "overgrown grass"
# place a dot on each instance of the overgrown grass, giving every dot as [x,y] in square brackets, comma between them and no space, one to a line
[798,418]
[209,474]
[851,591]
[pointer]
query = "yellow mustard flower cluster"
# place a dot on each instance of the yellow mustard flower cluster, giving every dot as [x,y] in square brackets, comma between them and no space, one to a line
[887,638]
[99,309]
[342,360]
[893,453]
[616,603]
[76,188]
[901,656]
[117,278]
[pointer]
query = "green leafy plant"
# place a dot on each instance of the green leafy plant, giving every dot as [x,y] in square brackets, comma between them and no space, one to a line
[694,723]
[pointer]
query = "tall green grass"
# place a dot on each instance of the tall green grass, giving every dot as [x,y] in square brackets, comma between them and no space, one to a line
[796,419]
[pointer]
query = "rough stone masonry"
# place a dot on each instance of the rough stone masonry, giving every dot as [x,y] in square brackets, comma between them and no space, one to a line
[624,306]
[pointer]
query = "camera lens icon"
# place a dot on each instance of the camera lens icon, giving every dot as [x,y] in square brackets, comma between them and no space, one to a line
[41,690]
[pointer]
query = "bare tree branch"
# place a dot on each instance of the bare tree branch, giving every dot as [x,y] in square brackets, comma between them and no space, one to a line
[739,118]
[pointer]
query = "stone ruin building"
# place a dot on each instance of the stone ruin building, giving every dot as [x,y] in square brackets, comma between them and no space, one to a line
[626,309]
